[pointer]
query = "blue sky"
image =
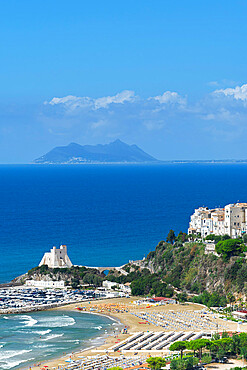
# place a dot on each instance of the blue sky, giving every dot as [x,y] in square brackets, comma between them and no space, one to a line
[169,76]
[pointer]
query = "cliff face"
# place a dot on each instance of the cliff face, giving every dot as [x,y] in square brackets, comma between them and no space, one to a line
[187,267]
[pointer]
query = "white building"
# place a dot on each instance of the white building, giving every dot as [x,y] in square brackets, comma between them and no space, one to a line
[56,258]
[231,220]
[123,287]
[109,284]
[59,284]
[210,248]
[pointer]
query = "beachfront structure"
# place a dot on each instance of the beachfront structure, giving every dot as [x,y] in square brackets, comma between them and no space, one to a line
[56,258]
[231,220]
[109,285]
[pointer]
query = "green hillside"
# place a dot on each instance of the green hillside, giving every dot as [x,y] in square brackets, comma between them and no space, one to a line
[180,267]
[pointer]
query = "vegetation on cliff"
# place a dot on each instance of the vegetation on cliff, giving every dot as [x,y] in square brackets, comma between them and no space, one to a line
[75,276]
[180,267]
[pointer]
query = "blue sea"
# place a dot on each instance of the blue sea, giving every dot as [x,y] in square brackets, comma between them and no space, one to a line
[37,337]
[105,214]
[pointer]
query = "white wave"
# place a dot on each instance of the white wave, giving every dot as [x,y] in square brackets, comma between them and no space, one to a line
[97,327]
[12,364]
[4,355]
[51,336]
[20,317]
[56,322]
[28,320]
[31,322]
[76,341]
[42,345]
[42,332]
[30,331]
[97,340]
[5,317]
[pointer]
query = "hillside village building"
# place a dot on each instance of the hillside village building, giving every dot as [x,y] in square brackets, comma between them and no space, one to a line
[231,220]
[56,258]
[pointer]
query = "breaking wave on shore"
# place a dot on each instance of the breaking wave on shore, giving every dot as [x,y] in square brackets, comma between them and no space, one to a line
[39,336]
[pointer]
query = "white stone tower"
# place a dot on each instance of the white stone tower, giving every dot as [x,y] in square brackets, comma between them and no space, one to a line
[56,258]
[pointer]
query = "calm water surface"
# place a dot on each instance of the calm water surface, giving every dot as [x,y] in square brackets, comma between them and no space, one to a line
[105,214]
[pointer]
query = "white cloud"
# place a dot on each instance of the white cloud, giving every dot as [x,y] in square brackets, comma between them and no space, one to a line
[238,93]
[120,98]
[72,102]
[222,114]
[169,97]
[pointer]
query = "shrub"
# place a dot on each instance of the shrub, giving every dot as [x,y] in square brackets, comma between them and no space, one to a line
[156,363]
[206,359]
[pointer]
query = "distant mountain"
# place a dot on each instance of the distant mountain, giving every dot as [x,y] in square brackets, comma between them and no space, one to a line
[115,152]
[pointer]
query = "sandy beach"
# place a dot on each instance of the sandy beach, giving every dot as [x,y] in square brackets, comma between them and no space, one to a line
[122,309]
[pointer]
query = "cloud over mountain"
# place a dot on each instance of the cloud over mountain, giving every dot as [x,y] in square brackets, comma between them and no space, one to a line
[127,115]
[170,124]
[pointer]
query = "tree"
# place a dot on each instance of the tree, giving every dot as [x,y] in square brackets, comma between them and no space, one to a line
[230,299]
[171,237]
[221,346]
[213,237]
[243,352]
[182,237]
[215,336]
[225,237]
[156,363]
[235,345]
[182,297]
[179,346]
[206,359]
[229,248]
[198,345]
[245,238]
[184,364]
[243,339]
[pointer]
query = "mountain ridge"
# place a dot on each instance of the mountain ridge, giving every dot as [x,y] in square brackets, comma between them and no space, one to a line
[114,152]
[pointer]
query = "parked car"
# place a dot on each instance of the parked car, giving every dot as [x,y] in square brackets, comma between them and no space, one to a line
[223,360]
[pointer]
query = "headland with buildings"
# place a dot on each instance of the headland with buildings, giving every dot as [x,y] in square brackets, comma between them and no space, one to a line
[230,220]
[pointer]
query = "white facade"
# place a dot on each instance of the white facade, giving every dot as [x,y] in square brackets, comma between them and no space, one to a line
[231,220]
[123,287]
[210,248]
[109,284]
[56,258]
[59,284]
